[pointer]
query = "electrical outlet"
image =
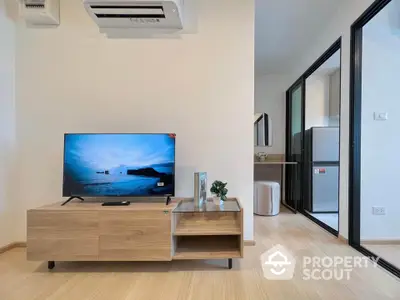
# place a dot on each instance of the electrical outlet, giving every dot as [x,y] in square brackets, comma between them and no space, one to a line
[378,210]
[380,116]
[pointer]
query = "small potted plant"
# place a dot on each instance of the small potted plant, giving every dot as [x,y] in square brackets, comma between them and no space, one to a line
[218,188]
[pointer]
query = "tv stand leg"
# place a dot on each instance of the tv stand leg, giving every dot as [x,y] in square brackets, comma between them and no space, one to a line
[51,264]
[71,198]
[230,263]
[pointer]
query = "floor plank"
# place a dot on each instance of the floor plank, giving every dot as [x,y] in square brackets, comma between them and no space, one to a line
[199,280]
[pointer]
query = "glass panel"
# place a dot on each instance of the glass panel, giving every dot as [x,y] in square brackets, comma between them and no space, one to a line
[380,123]
[321,142]
[230,205]
[296,121]
[322,103]
[297,135]
[293,175]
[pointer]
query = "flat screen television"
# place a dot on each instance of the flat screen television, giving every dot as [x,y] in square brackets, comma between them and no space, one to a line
[119,165]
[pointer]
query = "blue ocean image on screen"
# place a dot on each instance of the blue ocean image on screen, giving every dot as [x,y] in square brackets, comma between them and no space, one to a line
[119,164]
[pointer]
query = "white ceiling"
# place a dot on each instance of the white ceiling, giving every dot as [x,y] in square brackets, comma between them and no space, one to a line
[283,28]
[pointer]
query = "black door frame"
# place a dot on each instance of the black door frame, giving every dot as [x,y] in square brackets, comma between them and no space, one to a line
[336,46]
[355,133]
[288,144]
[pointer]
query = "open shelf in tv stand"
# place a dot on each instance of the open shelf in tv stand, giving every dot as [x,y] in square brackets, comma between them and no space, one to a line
[210,234]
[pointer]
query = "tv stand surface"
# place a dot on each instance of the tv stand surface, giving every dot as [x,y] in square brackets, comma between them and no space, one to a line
[87,231]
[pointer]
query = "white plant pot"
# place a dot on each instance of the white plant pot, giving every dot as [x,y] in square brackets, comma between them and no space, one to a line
[217,200]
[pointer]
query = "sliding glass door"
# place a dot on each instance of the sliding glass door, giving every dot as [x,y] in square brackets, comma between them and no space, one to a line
[322,139]
[375,112]
[294,145]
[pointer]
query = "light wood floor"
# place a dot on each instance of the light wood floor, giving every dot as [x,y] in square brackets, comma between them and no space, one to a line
[332,220]
[390,253]
[185,280]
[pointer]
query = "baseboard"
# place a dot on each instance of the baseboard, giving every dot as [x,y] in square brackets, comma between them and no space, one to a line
[12,246]
[250,243]
[380,242]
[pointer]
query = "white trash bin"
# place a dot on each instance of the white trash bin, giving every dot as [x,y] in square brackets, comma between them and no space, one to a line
[267,198]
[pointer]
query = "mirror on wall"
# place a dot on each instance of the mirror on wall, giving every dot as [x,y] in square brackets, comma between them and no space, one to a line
[262,130]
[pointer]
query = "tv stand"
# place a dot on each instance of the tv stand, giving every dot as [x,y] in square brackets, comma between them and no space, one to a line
[71,198]
[168,200]
[147,231]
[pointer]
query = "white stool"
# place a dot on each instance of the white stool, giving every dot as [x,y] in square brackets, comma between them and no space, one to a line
[267,197]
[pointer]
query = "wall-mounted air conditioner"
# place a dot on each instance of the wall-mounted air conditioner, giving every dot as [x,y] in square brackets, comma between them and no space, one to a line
[139,15]
[40,12]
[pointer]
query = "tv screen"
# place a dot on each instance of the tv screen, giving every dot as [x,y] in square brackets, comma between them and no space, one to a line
[126,165]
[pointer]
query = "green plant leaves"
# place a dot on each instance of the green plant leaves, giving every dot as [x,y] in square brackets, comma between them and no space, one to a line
[219,188]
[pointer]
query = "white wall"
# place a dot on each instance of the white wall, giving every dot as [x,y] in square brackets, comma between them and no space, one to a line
[270,98]
[317,101]
[72,79]
[339,26]
[7,127]
[380,160]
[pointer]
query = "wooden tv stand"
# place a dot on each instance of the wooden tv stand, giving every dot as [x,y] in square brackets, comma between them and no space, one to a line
[88,231]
